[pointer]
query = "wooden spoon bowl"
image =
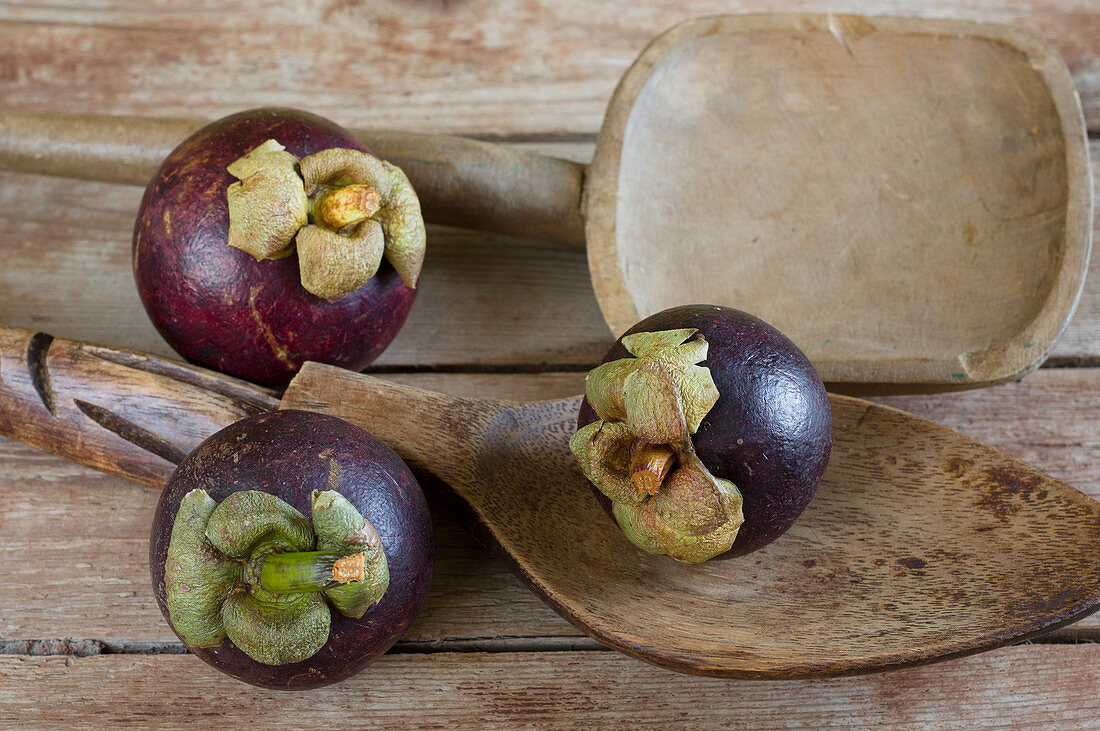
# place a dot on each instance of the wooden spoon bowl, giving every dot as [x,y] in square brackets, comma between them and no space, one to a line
[908,200]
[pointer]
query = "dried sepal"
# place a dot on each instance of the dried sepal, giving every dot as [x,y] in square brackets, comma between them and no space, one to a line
[403,223]
[646,528]
[680,356]
[279,631]
[342,529]
[668,346]
[654,410]
[197,577]
[640,453]
[249,518]
[340,166]
[246,569]
[334,265]
[605,451]
[664,350]
[362,209]
[691,502]
[265,156]
[603,387]
[268,204]
[399,213]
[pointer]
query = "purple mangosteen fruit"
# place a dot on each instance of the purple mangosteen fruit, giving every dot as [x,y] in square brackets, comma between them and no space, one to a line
[290,549]
[704,433]
[272,237]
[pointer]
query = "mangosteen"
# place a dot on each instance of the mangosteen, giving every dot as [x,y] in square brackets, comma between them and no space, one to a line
[272,237]
[291,549]
[704,433]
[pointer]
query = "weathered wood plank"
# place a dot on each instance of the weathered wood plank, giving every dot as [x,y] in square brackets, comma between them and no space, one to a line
[1021,686]
[1080,343]
[75,541]
[486,301]
[76,548]
[512,67]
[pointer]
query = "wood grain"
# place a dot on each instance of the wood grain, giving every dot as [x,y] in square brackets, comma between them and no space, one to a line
[534,73]
[67,254]
[1048,420]
[1039,685]
[907,538]
[118,411]
[500,68]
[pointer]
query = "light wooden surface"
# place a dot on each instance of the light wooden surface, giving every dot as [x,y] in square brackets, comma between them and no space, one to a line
[497,316]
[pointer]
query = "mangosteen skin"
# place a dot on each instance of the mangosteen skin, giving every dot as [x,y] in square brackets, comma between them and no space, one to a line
[216,305]
[770,432]
[287,453]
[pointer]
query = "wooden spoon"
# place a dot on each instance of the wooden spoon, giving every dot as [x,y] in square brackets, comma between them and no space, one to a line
[909,200]
[921,544]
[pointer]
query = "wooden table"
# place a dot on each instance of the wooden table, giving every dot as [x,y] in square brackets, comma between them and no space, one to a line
[81,639]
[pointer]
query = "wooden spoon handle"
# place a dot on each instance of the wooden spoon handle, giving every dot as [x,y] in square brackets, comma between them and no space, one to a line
[115,410]
[461,182]
[487,187]
[109,149]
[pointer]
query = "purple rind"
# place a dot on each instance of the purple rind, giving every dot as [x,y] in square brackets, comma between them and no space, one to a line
[287,453]
[771,399]
[216,305]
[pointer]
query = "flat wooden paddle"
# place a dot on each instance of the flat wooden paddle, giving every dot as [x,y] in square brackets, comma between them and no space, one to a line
[921,544]
[909,200]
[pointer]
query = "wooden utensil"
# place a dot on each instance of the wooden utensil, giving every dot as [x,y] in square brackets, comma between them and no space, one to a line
[922,544]
[909,200]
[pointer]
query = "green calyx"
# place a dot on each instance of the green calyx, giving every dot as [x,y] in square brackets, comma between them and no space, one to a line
[254,570]
[640,453]
[342,210]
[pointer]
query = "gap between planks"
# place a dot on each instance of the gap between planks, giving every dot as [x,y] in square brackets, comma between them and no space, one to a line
[482,645]
[519,644]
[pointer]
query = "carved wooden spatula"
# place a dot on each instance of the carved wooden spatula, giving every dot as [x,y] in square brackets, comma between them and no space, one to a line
[909,200]
[921,544]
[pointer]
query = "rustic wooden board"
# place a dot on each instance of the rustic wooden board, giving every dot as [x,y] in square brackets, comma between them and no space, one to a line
[1036,685]
[79,565]
[67,271]
[1080,343]
[535,73]
[78,568]
[506,68]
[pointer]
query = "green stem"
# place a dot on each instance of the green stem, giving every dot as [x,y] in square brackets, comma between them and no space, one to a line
[294,573]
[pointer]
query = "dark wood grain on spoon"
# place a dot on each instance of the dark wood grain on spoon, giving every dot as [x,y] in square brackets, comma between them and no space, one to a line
[921,545]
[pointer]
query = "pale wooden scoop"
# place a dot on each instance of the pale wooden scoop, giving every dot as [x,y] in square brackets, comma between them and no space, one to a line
[909,200]
[921,544]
